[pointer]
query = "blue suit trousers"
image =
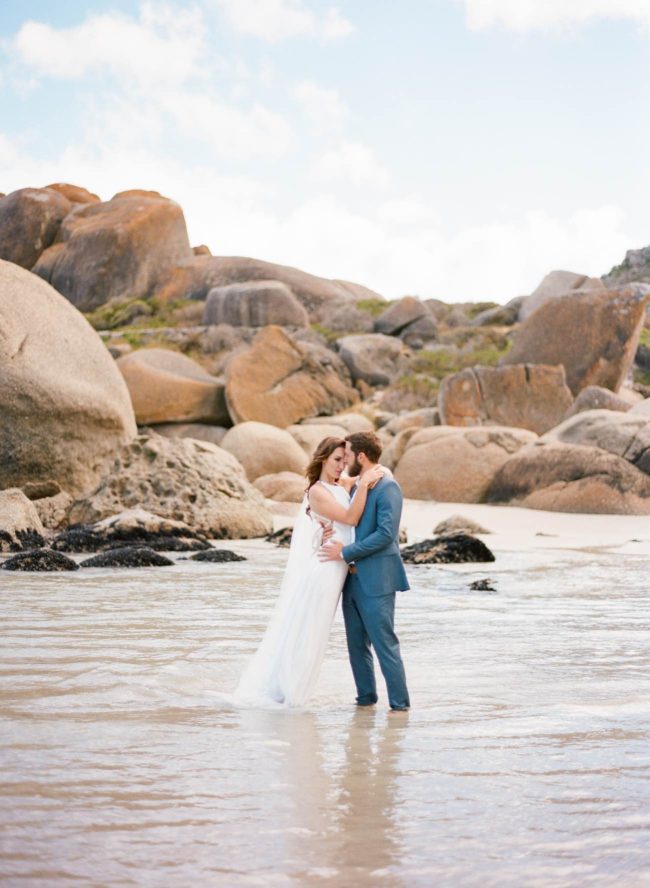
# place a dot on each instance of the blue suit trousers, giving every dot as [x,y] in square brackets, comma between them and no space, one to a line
[369,620]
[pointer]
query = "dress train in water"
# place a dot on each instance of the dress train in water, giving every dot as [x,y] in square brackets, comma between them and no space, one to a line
[286,665]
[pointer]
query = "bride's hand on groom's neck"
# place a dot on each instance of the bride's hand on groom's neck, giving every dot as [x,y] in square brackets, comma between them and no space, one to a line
[371,476]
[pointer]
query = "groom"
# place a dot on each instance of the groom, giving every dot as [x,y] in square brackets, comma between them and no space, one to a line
[375,573]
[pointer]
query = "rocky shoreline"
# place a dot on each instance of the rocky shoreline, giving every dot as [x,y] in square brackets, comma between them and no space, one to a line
[143,374]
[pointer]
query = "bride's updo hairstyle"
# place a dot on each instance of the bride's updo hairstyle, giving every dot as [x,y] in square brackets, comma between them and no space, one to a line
[322,453]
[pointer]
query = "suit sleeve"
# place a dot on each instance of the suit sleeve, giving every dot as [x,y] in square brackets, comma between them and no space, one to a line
[389,510]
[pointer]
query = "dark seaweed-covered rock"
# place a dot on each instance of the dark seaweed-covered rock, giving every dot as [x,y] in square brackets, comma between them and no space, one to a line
[454,548]
[281,538]
[217,556]
[20,525]
[133,527]
[22,539]
[128,556]
[41,560]
[482,586]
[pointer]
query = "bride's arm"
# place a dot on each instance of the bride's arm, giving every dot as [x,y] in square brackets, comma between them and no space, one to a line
[348,482]
[323,503]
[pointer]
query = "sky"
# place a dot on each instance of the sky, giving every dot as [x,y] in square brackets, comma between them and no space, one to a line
[449,149]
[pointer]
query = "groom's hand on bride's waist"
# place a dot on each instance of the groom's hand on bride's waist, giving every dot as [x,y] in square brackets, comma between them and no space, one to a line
[331,551]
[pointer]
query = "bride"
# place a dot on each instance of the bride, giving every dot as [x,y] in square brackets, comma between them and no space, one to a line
[285,667]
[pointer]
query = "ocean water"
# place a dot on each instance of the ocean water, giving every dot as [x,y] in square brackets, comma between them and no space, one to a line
[525,760]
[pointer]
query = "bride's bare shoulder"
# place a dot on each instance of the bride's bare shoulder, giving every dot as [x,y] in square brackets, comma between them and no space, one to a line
[318,493]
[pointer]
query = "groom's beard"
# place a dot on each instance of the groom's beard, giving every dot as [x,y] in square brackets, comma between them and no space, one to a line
[354,469]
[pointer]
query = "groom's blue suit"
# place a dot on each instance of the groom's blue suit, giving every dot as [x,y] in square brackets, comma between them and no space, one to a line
[369,596]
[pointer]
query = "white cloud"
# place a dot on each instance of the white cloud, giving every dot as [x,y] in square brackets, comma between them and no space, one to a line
[322,105]
[233,132]
[334,26]
[156,82]
[400,247]
[527,15]
[196,118]
[351,162]
[276,20]
[9,153]
[163,45]
[494,261]
[405,211]
[149,120]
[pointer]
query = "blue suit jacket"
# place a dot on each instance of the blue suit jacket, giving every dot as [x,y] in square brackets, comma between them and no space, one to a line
[375,550]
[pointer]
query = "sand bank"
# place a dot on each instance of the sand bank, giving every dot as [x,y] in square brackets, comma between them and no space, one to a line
[513,528]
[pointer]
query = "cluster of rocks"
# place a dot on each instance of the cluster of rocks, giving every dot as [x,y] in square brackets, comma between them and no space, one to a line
[212,379]
[134,538]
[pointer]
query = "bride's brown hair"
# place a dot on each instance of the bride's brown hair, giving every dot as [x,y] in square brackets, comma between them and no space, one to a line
[322,453]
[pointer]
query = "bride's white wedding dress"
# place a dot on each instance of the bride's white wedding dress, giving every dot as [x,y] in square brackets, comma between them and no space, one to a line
[285,667]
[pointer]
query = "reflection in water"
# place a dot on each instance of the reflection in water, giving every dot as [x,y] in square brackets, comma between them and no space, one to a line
[368,796]
[332,801]
[523,762]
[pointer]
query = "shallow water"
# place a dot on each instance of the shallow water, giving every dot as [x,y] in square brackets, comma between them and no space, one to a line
[525,760]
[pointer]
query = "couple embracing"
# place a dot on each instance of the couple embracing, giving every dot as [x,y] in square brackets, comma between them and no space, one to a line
[345,541]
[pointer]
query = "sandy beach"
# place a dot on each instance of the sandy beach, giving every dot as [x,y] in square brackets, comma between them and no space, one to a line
[515,529]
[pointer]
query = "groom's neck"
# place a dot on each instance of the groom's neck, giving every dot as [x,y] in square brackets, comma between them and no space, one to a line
[366,468]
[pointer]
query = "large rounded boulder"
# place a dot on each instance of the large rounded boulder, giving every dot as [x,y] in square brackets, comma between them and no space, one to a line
[195,278]
[282,382]
[594,397]
[309,436]
[263,449]
[65,407]
[555,284]
[286,487]
[183,480]
[254,304]
[593,334]
[571,478]
[116,249]
[410,319]
[166,386]
[373,357]
[30,219]
[529,396]
[400,315]
[453,464]
[624,434]
[641,408]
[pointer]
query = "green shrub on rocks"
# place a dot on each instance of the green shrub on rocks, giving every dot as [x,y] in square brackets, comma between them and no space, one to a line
[477,307]
[329,336]
[139,313]
[119,314]
[428,367]
[373,307]
[440,362]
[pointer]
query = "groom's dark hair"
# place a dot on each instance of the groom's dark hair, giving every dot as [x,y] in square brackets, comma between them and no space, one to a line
[365,442]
